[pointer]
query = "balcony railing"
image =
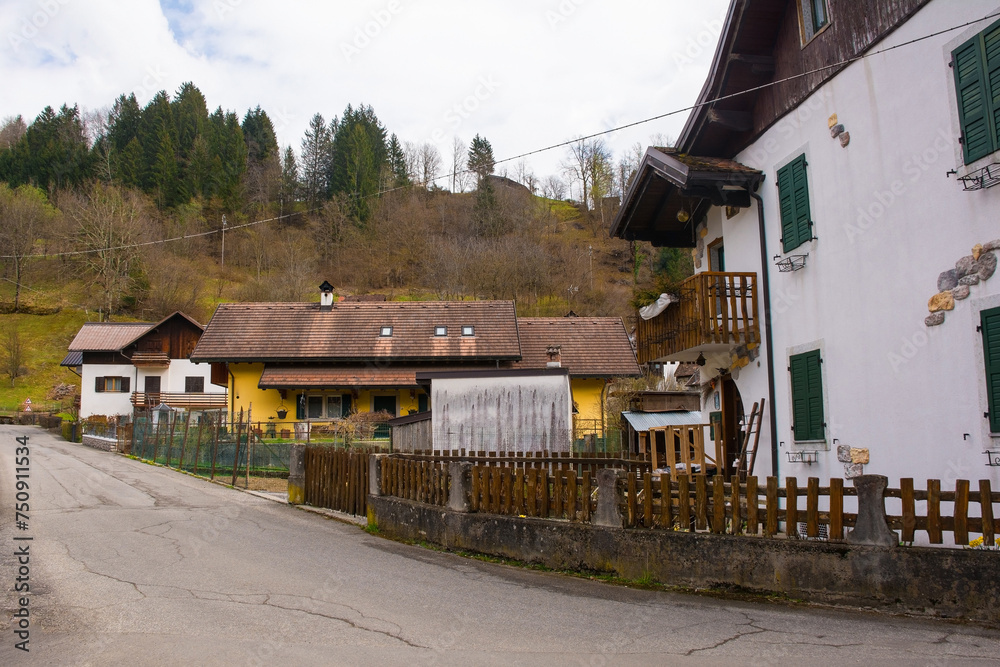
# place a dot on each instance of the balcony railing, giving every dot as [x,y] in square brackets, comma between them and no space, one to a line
[716,310]
[175,399]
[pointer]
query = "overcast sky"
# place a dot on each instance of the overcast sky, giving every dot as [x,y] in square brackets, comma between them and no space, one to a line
[525,74]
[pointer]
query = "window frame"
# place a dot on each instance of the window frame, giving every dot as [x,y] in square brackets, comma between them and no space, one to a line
[468,330]
[808,30]
[812,392]
[989,320]
[440,330]
[194,380]
[385,331]
[796,222]
[976,83]
[120,384]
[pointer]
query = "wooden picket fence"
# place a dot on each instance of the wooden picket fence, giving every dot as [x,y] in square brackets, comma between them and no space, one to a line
[579,461]
[701,504]
[337,479]
[413,479]
[532,492]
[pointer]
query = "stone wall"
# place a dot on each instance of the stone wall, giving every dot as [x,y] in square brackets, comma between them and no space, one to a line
[951,583]
[106,444]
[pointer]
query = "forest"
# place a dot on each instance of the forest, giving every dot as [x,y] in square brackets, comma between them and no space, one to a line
[132,212]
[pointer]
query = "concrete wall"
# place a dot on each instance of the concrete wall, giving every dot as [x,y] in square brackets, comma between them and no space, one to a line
[888,220]
[516,413]
[949,583]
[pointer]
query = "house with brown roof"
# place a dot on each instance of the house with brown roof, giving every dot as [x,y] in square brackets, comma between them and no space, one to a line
[127,365]
[323,361]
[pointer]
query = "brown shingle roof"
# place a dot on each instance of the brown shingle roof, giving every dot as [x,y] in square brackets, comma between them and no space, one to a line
[304,377]
[275,332]
[591,346]
[700,163]
[107,336]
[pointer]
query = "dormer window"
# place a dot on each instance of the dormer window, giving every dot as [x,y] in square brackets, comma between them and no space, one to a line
[440,331]
[385,332]
[468,330]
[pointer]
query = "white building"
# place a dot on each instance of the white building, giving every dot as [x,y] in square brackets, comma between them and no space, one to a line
[845,233]
[123,365]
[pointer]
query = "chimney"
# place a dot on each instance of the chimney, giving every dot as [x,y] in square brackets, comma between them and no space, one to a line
[555,356]
[326,296]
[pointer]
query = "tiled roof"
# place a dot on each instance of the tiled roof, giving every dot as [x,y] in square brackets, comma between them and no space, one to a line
[304,377]
[591,346]
[290,332]
[699,163]
[107,336]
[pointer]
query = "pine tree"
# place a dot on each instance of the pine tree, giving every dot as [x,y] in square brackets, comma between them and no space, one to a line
[289,180]
[316,147]
[397,163]
[480,158]
[190,115]
[359,155]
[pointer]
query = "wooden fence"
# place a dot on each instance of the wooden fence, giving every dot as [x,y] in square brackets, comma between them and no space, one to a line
[337,479]
[552,461]
[420,481]
[532,492]
[717,506]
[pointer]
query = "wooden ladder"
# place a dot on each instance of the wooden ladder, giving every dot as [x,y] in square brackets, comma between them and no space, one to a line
[753,428]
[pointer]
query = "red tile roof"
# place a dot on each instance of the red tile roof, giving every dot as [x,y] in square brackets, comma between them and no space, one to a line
[297,332]
[305,377]
[590,346]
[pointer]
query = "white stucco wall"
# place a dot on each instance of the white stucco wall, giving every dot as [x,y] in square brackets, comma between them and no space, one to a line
[523,413]
[115,403]
[889,220]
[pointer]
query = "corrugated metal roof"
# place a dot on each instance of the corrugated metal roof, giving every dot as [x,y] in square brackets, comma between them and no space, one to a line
[643,421]
[107,336]
[72,359]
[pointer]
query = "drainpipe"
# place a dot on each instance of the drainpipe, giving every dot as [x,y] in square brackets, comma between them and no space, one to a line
[232,398]
[765,284]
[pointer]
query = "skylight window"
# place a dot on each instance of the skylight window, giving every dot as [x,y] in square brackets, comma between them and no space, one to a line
[385,332]
[440,331]
[468,330]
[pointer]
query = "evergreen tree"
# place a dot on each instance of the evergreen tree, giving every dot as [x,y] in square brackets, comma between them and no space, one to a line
[229,156]
[258,132]
[190,114]
[119,149]
[397,163]
[157,137]
[316,147]
[480,158]
[359,155]
[289,180]
[53,152]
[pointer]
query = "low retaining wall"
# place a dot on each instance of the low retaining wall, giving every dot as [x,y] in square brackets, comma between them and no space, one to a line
[107,444]
[949,583]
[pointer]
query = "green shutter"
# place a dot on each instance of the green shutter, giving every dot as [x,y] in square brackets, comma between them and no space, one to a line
[976,66]
[807,396]
[793,199]
[990,320]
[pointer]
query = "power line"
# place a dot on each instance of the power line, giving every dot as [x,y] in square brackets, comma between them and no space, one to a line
[536,151]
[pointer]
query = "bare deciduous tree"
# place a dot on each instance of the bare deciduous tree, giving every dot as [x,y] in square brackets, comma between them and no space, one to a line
[110,224]
[13,350]
[24,213]
[459,174]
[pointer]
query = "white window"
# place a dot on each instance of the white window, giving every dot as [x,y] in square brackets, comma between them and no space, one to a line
[440,331]
[385,332]
[468,330]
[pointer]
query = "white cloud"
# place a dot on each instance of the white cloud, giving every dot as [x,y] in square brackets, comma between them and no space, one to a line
[553,69]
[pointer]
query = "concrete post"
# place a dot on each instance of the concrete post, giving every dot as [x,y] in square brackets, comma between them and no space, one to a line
[608,512]
[871,526]
[297,475]
[460,473]
[375,474]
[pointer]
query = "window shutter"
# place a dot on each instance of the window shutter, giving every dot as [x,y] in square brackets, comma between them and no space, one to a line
[970,91]
[99,385]
[807,396]
[793,199]
[990,320]
[345,405]
[991,50]
[126,384]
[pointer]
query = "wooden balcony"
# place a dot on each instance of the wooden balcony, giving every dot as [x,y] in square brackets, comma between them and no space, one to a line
[717,312]
[150,359]
[187,400]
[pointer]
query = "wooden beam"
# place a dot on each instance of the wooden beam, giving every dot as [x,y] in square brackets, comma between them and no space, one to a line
[740,121]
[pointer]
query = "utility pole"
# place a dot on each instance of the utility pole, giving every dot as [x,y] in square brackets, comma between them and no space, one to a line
[223,240]
[591,249]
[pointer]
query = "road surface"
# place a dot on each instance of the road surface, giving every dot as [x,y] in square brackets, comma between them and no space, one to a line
[132,564]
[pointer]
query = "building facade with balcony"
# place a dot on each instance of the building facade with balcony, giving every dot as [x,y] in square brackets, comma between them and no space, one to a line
[127,366]
[855,145]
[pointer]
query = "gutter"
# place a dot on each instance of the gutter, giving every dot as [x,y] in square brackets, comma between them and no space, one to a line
[768,338]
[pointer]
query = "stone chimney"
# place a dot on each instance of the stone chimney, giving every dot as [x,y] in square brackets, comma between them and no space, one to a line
[326,296]
[555,356]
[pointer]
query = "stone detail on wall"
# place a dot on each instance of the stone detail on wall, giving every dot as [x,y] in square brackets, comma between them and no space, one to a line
[106,444]
[941,301]
[954,284]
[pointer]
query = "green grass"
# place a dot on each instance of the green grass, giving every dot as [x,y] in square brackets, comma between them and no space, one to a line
[45,339]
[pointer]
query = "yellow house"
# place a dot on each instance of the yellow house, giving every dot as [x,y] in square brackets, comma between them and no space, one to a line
[290,363]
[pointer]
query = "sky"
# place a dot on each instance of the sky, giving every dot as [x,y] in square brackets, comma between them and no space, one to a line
[524,74]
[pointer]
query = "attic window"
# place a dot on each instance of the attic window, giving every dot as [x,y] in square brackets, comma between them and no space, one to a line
[814,17]
[468,330]
[440,331]
[385,332]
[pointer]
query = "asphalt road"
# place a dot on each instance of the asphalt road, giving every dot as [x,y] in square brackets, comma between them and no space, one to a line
[132,564]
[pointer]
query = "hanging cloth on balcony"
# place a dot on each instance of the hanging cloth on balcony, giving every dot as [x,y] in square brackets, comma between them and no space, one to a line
[657,307]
